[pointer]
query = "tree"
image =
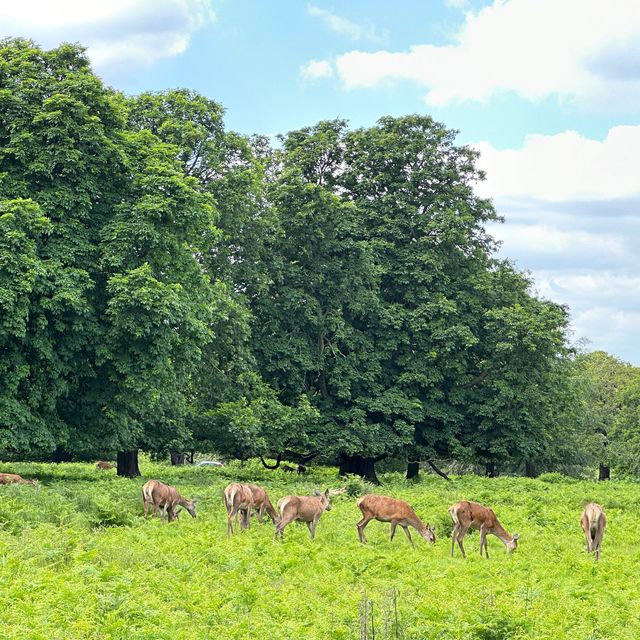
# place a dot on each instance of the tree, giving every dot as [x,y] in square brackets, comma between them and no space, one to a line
[604,382]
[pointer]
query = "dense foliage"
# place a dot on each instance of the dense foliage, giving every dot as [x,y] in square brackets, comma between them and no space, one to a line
[171,286]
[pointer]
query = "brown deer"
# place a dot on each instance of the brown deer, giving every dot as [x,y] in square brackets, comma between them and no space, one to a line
[14,478]
[303,509]
[260,503]
[238,499]
[104,466]
[593,522]
[167,499]
[397,512]
[467,514]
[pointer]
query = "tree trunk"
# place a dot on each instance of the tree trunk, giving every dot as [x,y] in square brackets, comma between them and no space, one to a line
[359,466]
[127,462]
[61,455]
[530,469]
[413,470]
[604,472]
[490,470]
[177,458]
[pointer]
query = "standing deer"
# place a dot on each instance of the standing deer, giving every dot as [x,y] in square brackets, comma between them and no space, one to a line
[104,466]
[14,478]
[303,509]
[238,499]
[467,514]
[260,503]
[167,499]
[593,522]
[397,512]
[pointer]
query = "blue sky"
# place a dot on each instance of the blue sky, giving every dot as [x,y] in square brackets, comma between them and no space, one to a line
[547,90]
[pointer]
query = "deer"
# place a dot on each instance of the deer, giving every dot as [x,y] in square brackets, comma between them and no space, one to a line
[303,509]
[467,514]
[104,466]
[238,498]
[14,478]
[167,499]
[593,522]
[397,512]
[260,503]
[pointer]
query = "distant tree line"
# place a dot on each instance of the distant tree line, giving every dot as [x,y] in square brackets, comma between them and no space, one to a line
[171,286]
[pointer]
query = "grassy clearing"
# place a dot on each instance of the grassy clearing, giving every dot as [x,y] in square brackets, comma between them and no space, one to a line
[77,560]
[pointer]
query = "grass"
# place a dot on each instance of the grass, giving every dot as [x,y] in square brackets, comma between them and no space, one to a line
[77,560]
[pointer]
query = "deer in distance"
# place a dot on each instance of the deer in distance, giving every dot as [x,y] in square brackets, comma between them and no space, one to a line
[467,515]
[104,466]
[165,498]
[306,509]
[397,512]
[593,522]
[241,499]
[14,478]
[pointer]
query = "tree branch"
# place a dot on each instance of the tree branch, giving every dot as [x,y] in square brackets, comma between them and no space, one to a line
[477,380]
[272,466]
[441,473]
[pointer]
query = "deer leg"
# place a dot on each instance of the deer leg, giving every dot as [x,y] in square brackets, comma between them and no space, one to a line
[312,528]
[394,524]
[406,530]
[461,534]
[483,540]
[230,517]
[597,542]
[454,535]
[361,525]
[260,514]
[280,527]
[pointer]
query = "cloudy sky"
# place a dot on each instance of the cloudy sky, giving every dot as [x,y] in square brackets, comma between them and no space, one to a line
[548,90]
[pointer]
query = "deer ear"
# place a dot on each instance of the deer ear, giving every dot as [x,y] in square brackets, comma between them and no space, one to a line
[516,537]
[316,493]
[326,493]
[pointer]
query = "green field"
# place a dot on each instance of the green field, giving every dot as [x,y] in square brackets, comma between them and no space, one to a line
[79,561]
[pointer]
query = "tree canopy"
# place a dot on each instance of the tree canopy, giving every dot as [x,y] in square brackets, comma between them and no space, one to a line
[168,285]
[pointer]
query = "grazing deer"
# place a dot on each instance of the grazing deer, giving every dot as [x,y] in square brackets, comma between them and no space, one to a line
[593,522]
[260,503]
[167,499]
[238,499]
[467,514]
[104,466]
[287,468]
[14,478]
[303,509]
[397,512]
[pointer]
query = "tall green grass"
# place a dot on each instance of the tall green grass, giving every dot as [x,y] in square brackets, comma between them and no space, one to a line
[77,560]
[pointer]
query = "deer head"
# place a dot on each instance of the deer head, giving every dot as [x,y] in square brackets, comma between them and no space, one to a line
[513,543]
[428,533]
[190,506]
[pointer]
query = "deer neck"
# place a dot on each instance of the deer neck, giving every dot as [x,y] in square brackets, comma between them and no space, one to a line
[273,514]
[500,532]
[417,524]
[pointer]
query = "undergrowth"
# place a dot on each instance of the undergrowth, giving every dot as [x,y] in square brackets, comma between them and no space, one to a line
[77,561]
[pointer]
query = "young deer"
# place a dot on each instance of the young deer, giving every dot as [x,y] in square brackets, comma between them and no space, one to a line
[14,478]
[593,522]
[467,514]
[397,512]
[238,499]
[303,509]
[167,499]
[260,503]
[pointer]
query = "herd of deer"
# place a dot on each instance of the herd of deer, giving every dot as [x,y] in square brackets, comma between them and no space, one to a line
[243,500]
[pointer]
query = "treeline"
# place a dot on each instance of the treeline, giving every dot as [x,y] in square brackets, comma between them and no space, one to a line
[171,286]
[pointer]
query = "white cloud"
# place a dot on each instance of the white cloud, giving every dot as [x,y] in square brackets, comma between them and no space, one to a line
[566,166]
[572,210]
[315,69]
[536,48]
[116,33]
[346,28]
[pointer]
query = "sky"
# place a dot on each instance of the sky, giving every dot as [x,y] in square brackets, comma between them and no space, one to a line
[547,90]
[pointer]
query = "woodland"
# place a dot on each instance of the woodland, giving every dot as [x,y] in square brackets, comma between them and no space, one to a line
[331,296]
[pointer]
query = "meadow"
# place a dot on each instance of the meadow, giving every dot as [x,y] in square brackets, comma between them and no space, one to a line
[78,561]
